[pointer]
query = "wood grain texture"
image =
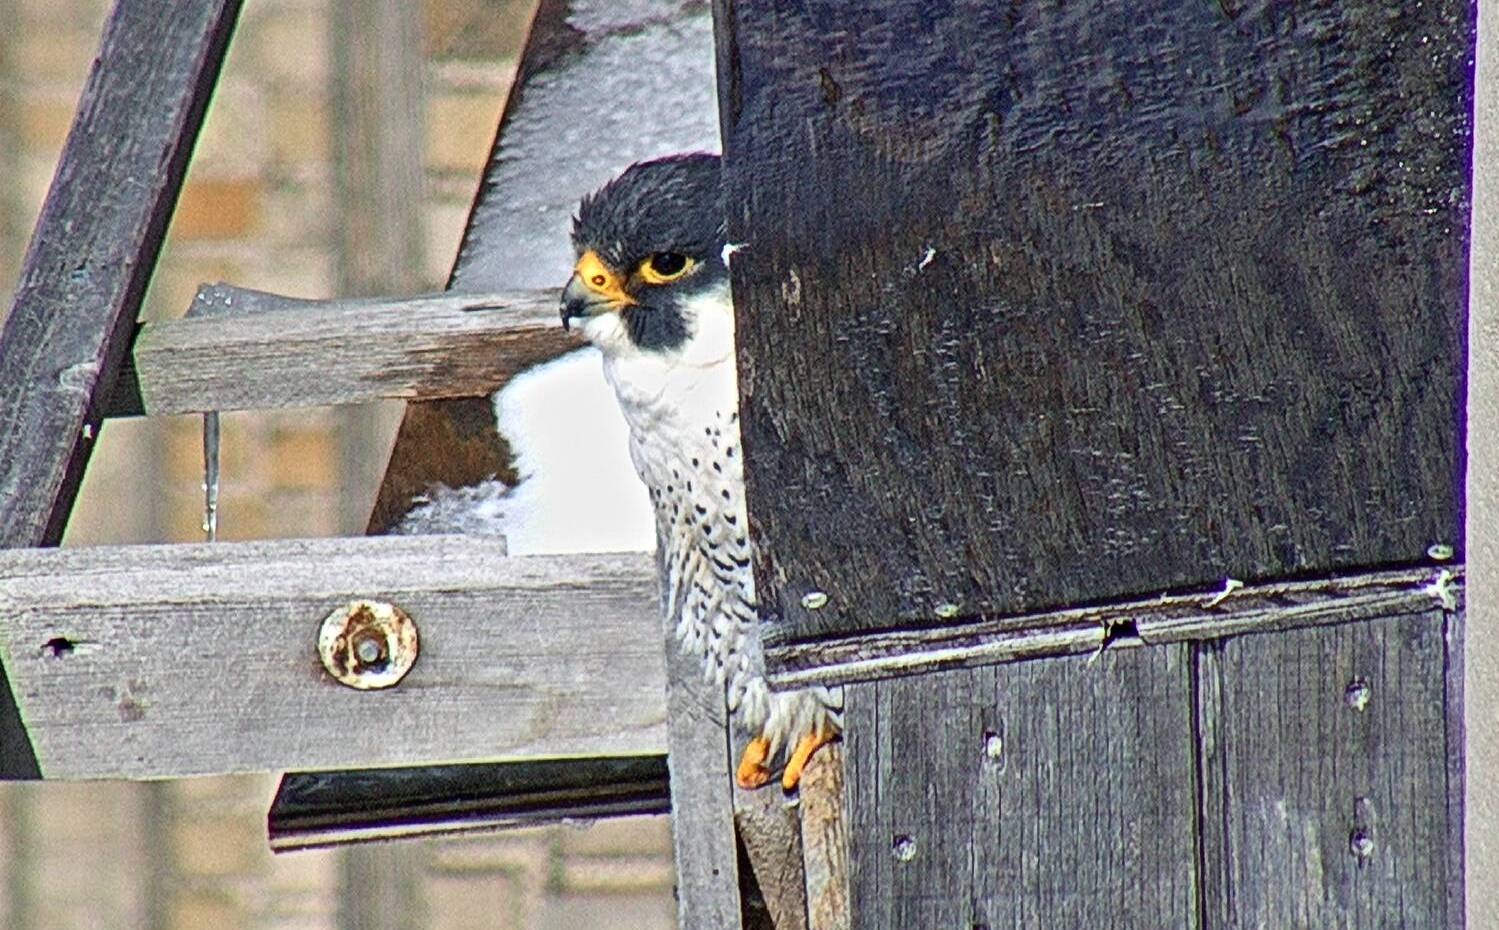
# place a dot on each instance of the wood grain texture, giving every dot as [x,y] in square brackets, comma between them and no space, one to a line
[94,248]
[1054,793]
[90,257]
[1255,608]
[1043,305]
[1326,777]
[769,831]
[155,661]
[824,831]
[1479,689]
[305,353]
[702,803]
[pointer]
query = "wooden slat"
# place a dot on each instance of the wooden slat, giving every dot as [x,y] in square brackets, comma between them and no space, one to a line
[1479,687]
[702,804]
[304,353]
[153,661]
[1044,304]
[1254,608]
[824,831]
[94,248]
[1054,793]
[86,269]
[1326,767]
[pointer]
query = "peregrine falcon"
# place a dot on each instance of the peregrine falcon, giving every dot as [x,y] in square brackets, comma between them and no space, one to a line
[651,290]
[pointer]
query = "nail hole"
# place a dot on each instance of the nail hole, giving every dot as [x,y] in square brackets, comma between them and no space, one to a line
[58,646]
[1357,694]
[904,848]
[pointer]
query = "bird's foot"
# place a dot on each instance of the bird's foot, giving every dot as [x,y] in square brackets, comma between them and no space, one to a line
[752,771]
[804,748]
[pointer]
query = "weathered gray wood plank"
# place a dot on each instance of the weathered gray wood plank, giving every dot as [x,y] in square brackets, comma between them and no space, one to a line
[702,804]
[1480,685]
[303,353]
[1325,777]
[769,832]
[1053,793]
[1168,618]
[152,661]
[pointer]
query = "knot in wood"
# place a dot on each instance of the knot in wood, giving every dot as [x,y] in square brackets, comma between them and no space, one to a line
[368,645]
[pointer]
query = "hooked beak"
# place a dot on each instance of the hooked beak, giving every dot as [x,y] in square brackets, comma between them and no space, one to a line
[579,302]
[594,288]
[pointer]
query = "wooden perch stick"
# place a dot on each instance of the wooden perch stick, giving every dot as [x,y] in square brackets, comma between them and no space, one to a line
[283,352]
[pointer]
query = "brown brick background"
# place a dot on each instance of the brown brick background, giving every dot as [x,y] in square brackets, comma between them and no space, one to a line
[260,209]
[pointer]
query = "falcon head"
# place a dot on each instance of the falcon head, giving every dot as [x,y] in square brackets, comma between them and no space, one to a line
[650,267]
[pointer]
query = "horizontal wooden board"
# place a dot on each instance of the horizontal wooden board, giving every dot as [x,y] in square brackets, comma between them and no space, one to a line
[156,661]
[1043,304]
[305,353]
[1256,608]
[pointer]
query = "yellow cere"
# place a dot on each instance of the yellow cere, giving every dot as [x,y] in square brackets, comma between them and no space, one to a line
[601,279]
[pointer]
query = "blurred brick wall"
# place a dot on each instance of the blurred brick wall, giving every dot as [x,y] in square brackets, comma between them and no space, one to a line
[259,209]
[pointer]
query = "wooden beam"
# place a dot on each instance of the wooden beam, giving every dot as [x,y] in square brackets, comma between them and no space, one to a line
[288,352]
[94,249]
[1478,689]
[158,661]
[1255,608]
[1012,339]
[86,269]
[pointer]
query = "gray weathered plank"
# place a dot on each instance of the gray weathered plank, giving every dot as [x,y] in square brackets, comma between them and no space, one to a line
[1053,793]
[152,661]
[770,836]
[1325,773]
[303,353]
[1479,688]
[1278,605]
[702,805]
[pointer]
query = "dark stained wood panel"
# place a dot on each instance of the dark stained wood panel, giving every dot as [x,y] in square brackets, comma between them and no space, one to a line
[1054,793]
[1328,757]
[1043,304]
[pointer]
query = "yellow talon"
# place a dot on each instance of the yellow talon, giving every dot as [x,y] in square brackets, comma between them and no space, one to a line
[804,748]
[752,772]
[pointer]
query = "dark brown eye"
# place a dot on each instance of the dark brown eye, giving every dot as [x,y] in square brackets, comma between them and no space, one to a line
[667,264]
[662,267]
[599,280]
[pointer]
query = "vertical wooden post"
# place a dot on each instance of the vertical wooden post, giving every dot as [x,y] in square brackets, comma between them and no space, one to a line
[1481,664]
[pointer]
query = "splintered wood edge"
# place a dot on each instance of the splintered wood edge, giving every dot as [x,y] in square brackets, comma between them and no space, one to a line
[280,352]
[1234,610]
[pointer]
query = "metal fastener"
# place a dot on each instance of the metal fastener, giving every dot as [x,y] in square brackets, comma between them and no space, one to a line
[368,645]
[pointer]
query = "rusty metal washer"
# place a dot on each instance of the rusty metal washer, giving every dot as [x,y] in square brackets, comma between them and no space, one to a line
[368,644]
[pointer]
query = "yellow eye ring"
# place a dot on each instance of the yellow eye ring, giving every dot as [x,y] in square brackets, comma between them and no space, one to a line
[664,267]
